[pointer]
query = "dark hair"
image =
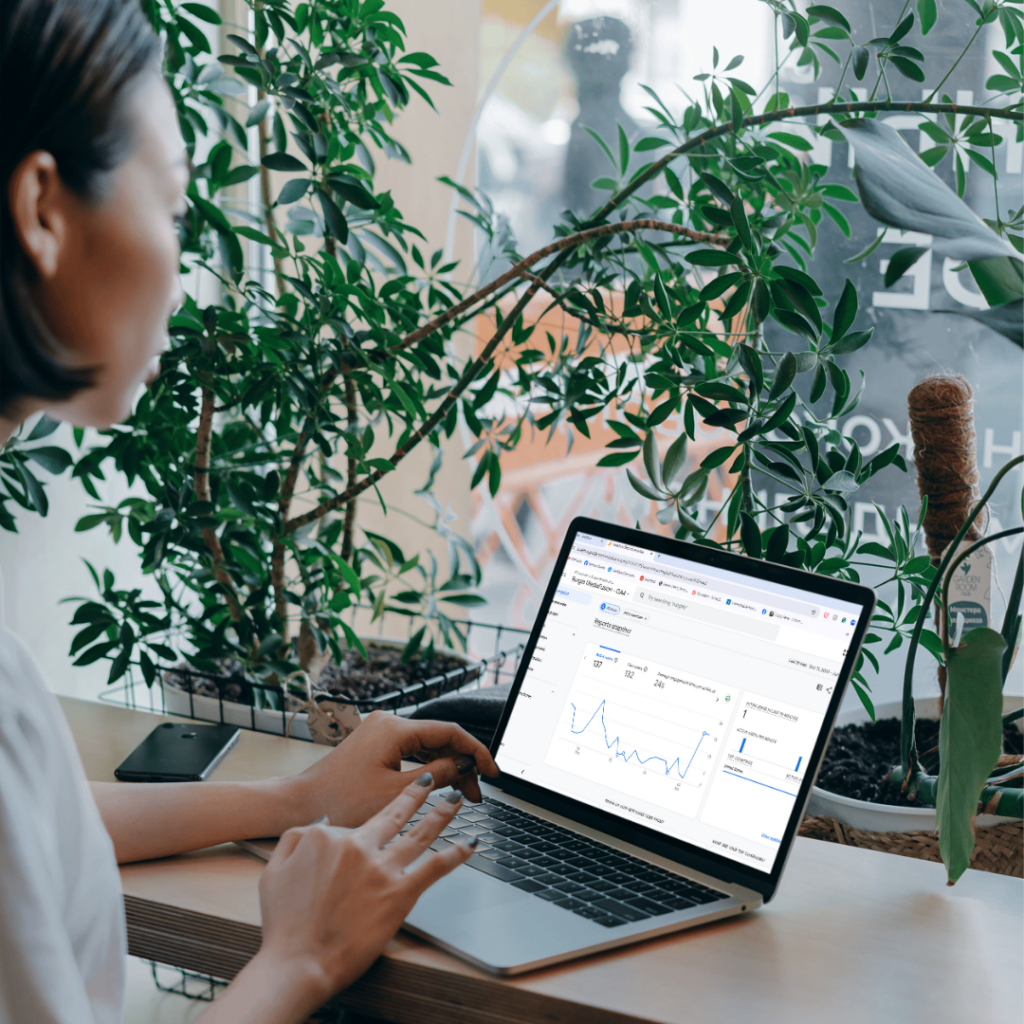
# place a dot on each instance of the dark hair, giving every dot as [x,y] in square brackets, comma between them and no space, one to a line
[65,68]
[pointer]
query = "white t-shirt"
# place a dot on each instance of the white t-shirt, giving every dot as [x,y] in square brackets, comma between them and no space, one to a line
[62,930]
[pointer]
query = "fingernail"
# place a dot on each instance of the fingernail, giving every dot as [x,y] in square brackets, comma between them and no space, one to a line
[472,841]
[425,780]
[322,820]
[453,797]
[464,764]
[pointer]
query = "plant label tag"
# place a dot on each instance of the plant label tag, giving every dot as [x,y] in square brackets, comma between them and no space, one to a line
[332,721]
[970,591]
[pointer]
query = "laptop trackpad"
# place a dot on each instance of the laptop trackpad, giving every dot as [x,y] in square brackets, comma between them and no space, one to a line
[464,891]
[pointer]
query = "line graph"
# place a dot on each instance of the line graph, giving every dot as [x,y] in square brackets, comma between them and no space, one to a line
[616,744]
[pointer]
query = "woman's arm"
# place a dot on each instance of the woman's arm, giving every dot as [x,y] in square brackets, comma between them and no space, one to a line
[349,785]
[148,821]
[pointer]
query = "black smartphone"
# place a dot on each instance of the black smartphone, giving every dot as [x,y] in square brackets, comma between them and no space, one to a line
[178,752]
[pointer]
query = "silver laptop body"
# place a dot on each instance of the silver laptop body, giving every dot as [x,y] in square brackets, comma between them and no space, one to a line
[672,706]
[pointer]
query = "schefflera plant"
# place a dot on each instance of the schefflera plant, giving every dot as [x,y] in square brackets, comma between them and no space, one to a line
[275,396]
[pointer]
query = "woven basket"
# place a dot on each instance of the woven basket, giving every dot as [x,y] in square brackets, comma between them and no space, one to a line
[999,848]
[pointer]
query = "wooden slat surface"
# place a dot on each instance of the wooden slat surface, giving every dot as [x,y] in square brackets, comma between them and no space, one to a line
[854,936]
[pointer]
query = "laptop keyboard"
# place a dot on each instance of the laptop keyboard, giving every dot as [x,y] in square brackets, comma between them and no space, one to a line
[570,871]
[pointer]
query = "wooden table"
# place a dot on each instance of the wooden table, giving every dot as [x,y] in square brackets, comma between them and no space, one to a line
[853,936]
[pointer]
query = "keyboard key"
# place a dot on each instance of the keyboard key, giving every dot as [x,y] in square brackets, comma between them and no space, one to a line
[492,854]
[648,906]
[707,897]
[512,862]
[548,878]
[543,846]
[600,869]
[621,910]
[545,861]
[569,888]
[509,846]
[472,830]
[581,876]
[600,885]
[495,870]
[674,902]
[551,894]
[589,912]
[620,894]
[491,838]
[528,885]
[570,904]
[531,871]
[618,876]
[609,920]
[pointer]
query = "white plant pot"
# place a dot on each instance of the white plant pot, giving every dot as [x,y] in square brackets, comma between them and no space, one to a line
[208,709]
[873,817]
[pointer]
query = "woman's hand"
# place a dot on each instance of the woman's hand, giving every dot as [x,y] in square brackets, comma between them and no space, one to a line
[361,775]
[331,899]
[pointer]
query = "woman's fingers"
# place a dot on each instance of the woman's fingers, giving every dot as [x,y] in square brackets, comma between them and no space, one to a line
[388,822]
[438,865]
[445,739]
[407,848]
[457,770]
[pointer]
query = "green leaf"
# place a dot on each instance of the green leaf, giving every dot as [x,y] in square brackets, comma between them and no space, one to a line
[791,140]
[283,162]
[861,56]
[675,459]
[750,535]
[293,191]
[642,487]
[902,260]
[711,258]
[623,150]
[785,374]
[651,461]
[650,143]
[33,488]
[852,342]
[926,11]
[203,13]
[53,460]
[44,428]
[970,741]
[830,16]
[846,311]
[336,223]
[865,253]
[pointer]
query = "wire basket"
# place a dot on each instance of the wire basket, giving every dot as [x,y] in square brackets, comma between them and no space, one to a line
[493,656]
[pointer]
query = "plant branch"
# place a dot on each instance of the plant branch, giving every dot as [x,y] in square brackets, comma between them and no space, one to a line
[268,202]
[570,241]
[201,482]
[467,378]
[351,468]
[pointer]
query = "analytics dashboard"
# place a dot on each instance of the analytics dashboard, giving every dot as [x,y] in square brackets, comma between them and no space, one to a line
[680,697]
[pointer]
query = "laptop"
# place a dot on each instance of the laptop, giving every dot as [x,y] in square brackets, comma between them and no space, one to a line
[659,744]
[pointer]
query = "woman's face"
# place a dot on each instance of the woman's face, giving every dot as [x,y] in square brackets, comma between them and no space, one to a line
[116,280]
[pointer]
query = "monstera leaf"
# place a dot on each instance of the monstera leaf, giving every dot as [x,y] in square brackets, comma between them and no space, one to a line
[899,189]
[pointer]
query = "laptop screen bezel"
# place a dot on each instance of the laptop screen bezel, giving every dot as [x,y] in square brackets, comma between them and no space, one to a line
[679,850]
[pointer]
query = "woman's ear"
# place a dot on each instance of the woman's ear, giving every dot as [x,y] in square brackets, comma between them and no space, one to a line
[38,203]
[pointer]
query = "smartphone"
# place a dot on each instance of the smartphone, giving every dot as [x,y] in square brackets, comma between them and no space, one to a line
[178,752]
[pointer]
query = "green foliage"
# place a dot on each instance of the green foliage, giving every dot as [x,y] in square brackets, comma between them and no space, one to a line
[325,359]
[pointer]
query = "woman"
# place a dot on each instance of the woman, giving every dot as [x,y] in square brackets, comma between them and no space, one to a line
[93,170]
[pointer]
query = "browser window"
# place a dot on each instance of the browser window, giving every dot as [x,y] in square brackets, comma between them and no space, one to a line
[679,697]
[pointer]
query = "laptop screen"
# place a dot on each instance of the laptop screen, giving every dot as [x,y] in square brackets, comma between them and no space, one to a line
[678,696]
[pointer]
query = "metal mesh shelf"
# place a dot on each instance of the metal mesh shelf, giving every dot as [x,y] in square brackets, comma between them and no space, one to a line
[493,653]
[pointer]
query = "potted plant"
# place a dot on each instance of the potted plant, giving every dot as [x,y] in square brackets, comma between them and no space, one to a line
[692,292]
